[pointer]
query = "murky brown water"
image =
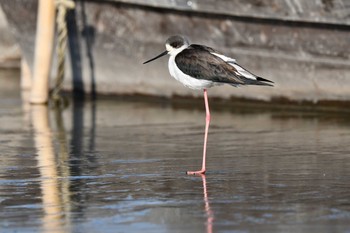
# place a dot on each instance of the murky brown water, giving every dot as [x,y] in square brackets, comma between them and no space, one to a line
[119,166]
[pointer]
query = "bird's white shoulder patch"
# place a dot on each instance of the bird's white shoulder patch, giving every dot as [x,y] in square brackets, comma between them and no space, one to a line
[223,57]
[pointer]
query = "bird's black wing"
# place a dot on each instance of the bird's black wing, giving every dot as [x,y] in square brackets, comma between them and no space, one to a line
[198,62]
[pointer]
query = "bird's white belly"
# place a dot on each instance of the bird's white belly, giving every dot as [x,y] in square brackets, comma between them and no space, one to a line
[185,79]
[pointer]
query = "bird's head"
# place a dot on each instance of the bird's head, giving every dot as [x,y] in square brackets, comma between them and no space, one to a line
[173,45]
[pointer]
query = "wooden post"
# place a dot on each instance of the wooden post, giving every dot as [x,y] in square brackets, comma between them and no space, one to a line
[43,51]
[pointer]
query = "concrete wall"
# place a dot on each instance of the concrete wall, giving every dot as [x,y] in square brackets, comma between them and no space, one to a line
[334,12]
[10,52]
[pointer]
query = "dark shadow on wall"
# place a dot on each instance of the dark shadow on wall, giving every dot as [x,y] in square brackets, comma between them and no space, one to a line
[89,38]
[77,38]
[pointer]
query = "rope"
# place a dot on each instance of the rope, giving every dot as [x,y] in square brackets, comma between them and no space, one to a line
[62,7]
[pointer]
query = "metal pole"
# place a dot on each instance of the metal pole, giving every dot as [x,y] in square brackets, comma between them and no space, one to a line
[43,51]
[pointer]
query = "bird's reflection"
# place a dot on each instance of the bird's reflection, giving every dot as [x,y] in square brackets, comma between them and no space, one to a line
[55,191]
[209,213]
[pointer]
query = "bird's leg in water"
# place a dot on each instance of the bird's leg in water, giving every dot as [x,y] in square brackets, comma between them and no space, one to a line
[207,122]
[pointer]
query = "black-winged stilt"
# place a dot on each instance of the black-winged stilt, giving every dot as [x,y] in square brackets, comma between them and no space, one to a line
[201,67]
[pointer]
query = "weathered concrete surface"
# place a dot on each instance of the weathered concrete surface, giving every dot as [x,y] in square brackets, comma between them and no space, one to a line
[324,11]
[10,52]
[109,41]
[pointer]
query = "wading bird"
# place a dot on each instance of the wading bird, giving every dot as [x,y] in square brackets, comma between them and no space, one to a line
[200,67]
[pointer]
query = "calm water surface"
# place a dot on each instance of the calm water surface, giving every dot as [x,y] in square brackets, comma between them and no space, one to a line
[119,166]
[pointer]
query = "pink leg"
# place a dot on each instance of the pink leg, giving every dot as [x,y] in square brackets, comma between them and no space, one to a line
[207,122]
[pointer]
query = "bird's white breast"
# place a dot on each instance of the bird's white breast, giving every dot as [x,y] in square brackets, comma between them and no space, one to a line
[185,79]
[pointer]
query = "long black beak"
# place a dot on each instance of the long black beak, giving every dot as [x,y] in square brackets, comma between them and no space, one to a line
[160,55]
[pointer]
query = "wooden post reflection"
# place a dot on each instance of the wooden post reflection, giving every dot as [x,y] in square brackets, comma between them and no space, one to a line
[54,199]
[26,107]
[208,211]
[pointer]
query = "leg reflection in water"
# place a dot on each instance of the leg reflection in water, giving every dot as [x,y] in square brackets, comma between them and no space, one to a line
[208,211]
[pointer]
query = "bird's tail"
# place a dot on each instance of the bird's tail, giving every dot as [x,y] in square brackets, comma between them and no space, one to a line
[257,81]
[248,78]
[263,81]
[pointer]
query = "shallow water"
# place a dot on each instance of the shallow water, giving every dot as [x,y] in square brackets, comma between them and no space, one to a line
[119,166]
